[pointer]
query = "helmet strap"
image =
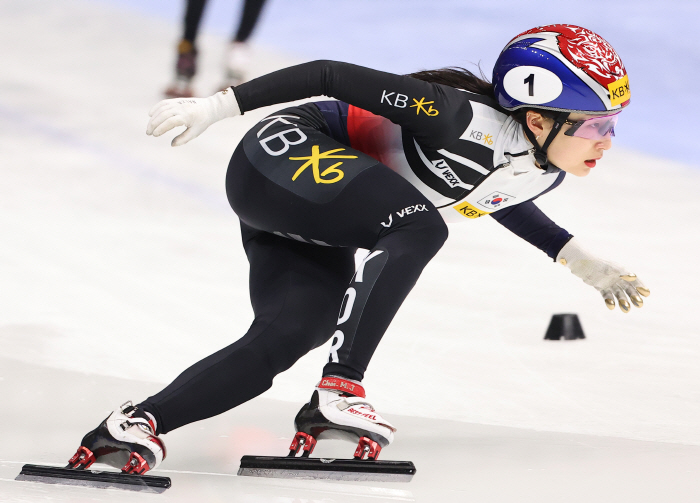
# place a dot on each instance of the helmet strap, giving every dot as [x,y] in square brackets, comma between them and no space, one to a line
[541,152]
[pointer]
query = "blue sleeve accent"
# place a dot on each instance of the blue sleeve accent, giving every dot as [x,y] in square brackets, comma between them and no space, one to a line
[336,115]
[557,183]
[530,223]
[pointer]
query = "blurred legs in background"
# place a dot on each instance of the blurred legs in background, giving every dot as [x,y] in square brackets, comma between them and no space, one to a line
[238,52]
[237,55]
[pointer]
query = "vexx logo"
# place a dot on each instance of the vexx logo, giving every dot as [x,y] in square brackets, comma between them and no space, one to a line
[446,173]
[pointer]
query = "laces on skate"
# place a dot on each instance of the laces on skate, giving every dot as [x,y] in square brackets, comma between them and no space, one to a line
[139,418]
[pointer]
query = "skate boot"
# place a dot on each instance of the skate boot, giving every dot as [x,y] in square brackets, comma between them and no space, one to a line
[338,409]
[126,440]
[184,71]
[236,64]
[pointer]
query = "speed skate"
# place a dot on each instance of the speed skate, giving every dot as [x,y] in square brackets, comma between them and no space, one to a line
[126,440]
[93,478]
[337,410]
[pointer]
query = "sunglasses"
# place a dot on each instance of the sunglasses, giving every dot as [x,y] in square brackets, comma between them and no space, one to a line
[595,128]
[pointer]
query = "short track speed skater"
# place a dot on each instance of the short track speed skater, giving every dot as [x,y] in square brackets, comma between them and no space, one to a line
[125,440]
[337,409]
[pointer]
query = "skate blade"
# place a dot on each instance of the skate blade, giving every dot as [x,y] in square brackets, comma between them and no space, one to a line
[93,478]
[327,469]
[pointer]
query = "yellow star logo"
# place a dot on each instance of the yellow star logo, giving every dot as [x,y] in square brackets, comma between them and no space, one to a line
[314,160]
[420,105]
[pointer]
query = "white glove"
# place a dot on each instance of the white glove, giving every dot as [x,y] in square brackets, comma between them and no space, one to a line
[196,114]
[610,279]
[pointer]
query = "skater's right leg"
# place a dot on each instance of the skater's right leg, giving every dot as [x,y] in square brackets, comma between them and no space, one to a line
[295,291]
[238,53]
[249,18]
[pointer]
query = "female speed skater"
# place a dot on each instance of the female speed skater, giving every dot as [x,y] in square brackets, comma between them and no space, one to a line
[382,168]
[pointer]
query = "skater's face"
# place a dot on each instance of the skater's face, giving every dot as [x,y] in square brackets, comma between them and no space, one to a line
[573,154]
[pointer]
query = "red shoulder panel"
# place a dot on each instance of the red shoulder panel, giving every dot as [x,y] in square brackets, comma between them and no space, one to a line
[365,131]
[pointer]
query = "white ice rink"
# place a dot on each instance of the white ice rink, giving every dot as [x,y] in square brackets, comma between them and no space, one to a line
[121,265]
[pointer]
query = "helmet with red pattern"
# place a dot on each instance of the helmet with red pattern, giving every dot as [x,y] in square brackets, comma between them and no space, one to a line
[561,67]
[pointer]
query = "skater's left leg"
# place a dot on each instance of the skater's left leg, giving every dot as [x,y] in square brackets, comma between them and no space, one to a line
[295,289]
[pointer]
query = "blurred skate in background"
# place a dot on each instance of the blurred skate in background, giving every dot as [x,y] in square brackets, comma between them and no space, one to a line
[236,59]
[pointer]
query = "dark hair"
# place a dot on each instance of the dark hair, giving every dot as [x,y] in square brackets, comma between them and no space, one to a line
[456,76]
[461,78]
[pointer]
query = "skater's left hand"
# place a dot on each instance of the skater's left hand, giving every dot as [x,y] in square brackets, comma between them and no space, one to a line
[610,279]
[196,114]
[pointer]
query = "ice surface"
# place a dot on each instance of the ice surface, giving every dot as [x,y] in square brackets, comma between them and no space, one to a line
[455,461]
[121,265]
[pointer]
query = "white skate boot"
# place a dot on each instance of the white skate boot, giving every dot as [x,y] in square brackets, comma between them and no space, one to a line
[126,440]
[338,409]
[236,64]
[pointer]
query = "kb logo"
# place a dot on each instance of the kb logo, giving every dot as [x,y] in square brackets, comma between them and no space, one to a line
[283,139]
[619,91]
[401,101]
[479,136]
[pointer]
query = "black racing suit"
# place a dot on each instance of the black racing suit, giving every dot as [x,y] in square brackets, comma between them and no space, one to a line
[307,200]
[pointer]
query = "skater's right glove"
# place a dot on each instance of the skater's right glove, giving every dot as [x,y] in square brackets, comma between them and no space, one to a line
[196,114]
[610,279]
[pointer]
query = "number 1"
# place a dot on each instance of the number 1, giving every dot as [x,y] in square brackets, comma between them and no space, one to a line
[531,81]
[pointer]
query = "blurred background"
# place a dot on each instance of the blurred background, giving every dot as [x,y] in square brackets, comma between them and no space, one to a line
[121,262]
[655,40]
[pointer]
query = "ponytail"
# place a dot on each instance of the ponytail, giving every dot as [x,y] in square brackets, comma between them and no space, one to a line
[461,78]
[458,77]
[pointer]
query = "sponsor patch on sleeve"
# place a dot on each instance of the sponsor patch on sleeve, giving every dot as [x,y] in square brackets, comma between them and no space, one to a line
[484,126]
[467,210]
